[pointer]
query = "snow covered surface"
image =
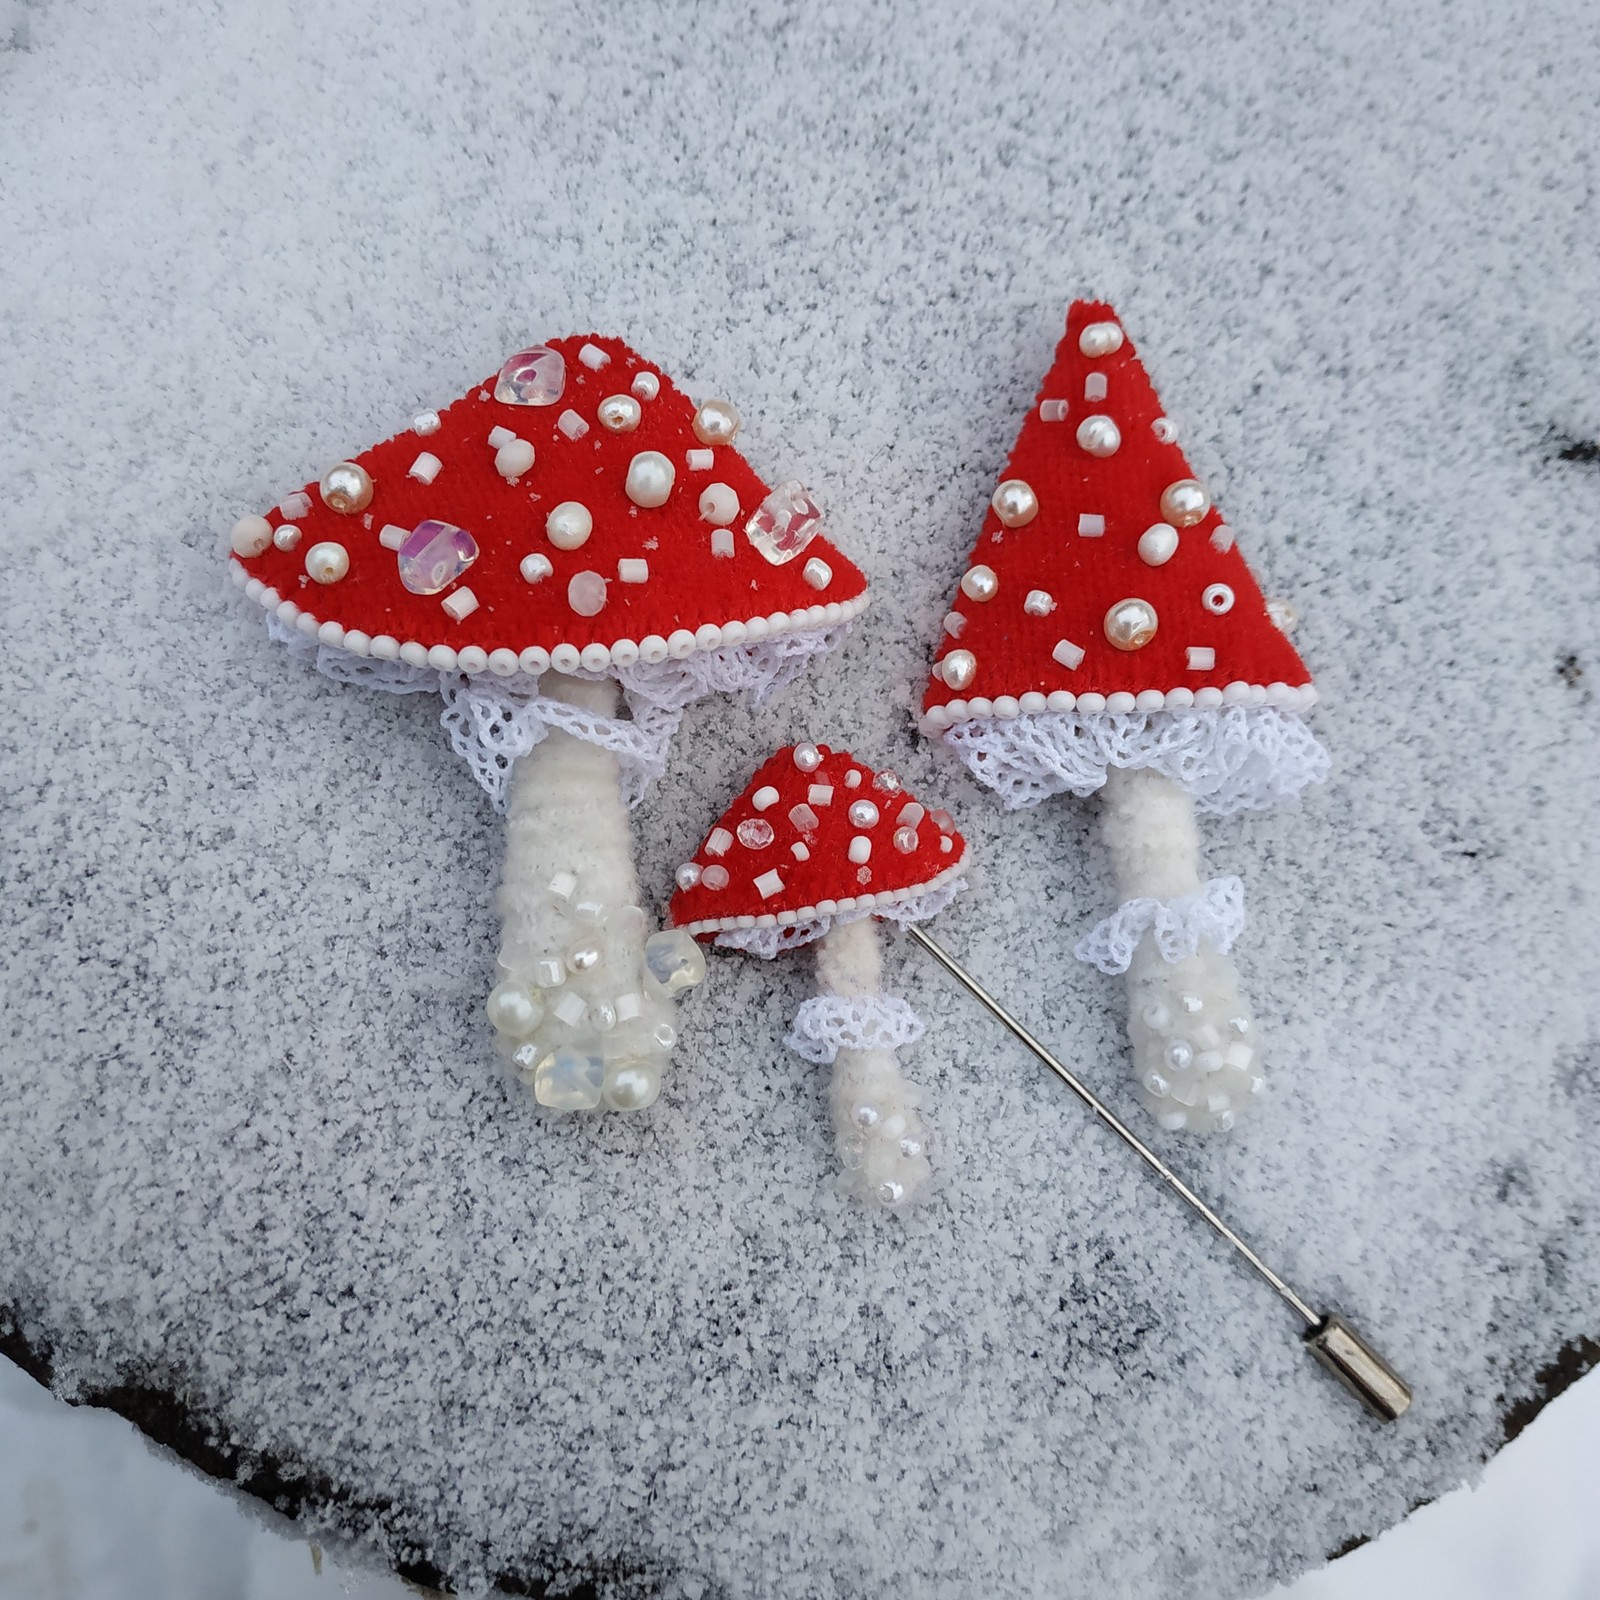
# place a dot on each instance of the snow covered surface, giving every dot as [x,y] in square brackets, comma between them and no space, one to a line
[255,1145]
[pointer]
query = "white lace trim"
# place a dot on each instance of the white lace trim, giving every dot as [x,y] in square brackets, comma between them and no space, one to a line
[493,721]
[1215,915]
[829,1023]
[1237,758]
[768,942]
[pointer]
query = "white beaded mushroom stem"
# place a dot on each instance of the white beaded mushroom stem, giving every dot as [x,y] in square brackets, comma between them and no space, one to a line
[880,1138]
[598,1029]
[1196,1053]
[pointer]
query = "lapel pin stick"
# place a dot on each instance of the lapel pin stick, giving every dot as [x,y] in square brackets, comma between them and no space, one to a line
[1330,1339]
[816,849]
[570,540]
[1108,636]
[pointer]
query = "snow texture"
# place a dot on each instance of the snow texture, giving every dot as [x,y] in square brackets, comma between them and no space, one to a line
[255,1144]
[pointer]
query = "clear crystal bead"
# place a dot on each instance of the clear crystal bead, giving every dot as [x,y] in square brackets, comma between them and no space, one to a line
[569,1079]
[674,960]
[533,377]
[434,554]
[788,520]
[755,833]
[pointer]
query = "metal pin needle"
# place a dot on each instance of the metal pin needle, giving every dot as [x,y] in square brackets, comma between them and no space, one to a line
[1330,1339]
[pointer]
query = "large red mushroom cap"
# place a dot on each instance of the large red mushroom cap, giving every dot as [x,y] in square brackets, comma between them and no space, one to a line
[577,507]
[815,835]
[1104,579]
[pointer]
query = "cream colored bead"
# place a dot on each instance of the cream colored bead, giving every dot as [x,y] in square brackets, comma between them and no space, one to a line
[1015,503]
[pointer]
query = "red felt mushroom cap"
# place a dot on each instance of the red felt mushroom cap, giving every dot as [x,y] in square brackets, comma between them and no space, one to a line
[1104,578]
[576,507]
[815,833]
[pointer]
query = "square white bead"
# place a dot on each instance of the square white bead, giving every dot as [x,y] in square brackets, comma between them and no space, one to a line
[1067,653]
[629,1006]
[593,357]
[769,884]
[1202,658]
[570,1008]
[1222,538]
[719,841]
[294,506]
[563,886]
[633,570]
[571,424]
[722,541]
[391,535]
[425,468]
[820,794]
[1052,410]
[700,460]
[1094,386]
[500,436]
[460,605]
[1091,526]
[817,573]
[799,852]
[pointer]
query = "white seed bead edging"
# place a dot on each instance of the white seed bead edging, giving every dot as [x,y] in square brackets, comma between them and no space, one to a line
[1235,757]
[494,712]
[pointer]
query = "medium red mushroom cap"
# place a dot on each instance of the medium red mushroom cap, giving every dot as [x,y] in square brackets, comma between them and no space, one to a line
[815,833]
[1104,579]
[575,507]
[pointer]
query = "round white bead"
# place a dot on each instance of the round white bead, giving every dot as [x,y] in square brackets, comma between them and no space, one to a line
[959,668]
[646,385]
[863,814]
[1185,502]
[716,422]
[472,659]
[1015,503]
[624,652]
[980,583]
[595,657]
[586,594]
[569,525]
[250,536]
[327,561]
[346,488]
[719,505]
[286,536]
[1217,598]
[442,658]
[1100,339]
[535,568]
[1120,702]
[566,657]
[502,662]
[619,413]
[652,649]
[512,460]
[1099,436]
[1158,544]
[650,479]
[807,757]
[1130,624]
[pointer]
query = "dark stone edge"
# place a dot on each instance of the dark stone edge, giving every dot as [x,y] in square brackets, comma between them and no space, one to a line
[163,1415]
[160,1412]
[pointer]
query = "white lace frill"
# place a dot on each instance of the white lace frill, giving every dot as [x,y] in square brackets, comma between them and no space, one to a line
[1236,758]
[1215,914]
[828,1023]
[493,721]
[770,942]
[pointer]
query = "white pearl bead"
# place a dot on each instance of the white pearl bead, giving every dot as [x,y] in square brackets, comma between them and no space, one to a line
[513,459]
[346,488]
[1100,339]
[650,479]
[1039,603]
[863,814]
[719,505]
[535,567]
[688,875]
[327,562]
[569,525]
[251,535]
[1131,624]
[1184,503]
[632,1086]
[1158,544]
[1217,599]
[1015,503]
[1099,436]
[514,1010]
[646,385]
[959,668]
[286,536]
[980,583]
[716,422]
[619,413]
[807,757]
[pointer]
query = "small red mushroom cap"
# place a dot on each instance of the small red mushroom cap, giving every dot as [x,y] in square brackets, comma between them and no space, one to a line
[1104,578]
[815,833]
[575,506]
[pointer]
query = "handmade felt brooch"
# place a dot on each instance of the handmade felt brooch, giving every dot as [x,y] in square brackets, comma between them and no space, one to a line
[568,554]
[1108,635]
[815,849]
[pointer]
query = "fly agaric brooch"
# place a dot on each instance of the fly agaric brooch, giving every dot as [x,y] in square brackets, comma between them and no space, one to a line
[1107,635]
[573,536]
[816,848]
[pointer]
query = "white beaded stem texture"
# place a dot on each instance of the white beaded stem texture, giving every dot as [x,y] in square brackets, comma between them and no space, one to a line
[566,814]
[1196,1052]
[880,1138]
